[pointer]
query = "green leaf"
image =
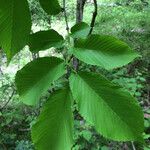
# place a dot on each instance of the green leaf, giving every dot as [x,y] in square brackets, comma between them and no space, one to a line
[43,40]
[80,30]
[36,78]
[111,110]
[103,51]
[51,7]
[15,26]
[54,127]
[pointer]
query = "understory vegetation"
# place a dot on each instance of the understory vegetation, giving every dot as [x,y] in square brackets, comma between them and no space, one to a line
[128,20]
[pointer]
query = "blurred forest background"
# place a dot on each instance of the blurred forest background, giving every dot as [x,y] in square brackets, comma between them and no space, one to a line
[128,20]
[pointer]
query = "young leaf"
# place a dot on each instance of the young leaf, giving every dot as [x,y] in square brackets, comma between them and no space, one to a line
[51,7]
[112,111]
[15,26]
[43,40]
[54,127]
[36,77]
[103,51]
[80,30]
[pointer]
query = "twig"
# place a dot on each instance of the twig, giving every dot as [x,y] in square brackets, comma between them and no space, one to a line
[35,55]
[94,17]
[11,96]
[75,64]
[67,28]
[79,10]
[25,130]
[1,71]
[65,15]
[133,146]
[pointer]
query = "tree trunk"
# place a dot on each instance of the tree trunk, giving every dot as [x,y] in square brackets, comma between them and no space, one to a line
[79,18]
[79,10]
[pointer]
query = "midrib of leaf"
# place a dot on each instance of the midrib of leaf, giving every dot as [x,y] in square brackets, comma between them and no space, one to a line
[12,26]
[108,106]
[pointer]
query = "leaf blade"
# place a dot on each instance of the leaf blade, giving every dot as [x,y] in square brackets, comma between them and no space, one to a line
[104,51]
[80,30]
[104,105]
[36,77]
[53,129]
[51,7]
[15,26]
[43,40]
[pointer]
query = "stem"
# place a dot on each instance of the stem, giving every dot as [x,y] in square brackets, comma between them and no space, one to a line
[35,55]
[9,99]
[1,71]
[79,18]
[94,16]
[67,28]
[133,146]
[65,14]
[79,10]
